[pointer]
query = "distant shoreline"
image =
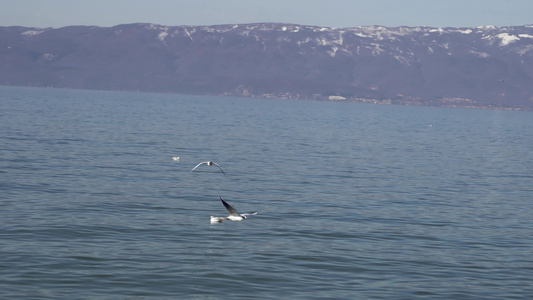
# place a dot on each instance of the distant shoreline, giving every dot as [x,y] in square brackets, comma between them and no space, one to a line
[269,97]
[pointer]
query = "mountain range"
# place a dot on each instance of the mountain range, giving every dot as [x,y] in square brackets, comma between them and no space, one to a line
[479,67]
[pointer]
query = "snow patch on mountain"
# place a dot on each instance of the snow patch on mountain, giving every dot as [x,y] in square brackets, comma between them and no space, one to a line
[32,32]
[525,50]
[527,36]
[333,51]
[466,31]
[479,54]
[507,39]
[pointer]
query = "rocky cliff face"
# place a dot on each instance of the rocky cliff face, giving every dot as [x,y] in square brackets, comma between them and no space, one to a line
[469,67]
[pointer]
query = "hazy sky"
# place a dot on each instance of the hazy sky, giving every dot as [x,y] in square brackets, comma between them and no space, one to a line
[330,13]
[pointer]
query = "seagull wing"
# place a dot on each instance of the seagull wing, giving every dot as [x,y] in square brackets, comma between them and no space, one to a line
[219,168]
[232,211]
[204,162]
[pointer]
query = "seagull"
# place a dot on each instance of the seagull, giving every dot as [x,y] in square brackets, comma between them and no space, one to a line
[233,214]
[209,163]
[217,219]
[176,158]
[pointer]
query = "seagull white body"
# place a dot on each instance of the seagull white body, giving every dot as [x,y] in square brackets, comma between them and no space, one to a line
[176,158]
[209,163]
[233,214]
[217,219]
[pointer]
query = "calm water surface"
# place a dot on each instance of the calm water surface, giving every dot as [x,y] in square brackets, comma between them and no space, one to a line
[354,201]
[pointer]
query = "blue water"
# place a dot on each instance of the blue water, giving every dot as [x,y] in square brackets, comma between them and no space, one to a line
[355,201]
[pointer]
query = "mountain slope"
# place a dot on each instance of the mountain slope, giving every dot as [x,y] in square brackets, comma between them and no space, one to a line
[469,67]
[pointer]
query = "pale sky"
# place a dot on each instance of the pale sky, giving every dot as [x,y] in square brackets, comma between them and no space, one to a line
[328,13]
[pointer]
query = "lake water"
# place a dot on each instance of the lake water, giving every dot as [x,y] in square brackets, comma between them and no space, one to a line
[355,201]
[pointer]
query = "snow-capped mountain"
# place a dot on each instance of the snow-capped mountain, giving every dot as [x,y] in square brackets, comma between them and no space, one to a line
[468,67]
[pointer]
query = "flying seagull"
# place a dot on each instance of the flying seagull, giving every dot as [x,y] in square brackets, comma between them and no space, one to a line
[209,163]
[233,214]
